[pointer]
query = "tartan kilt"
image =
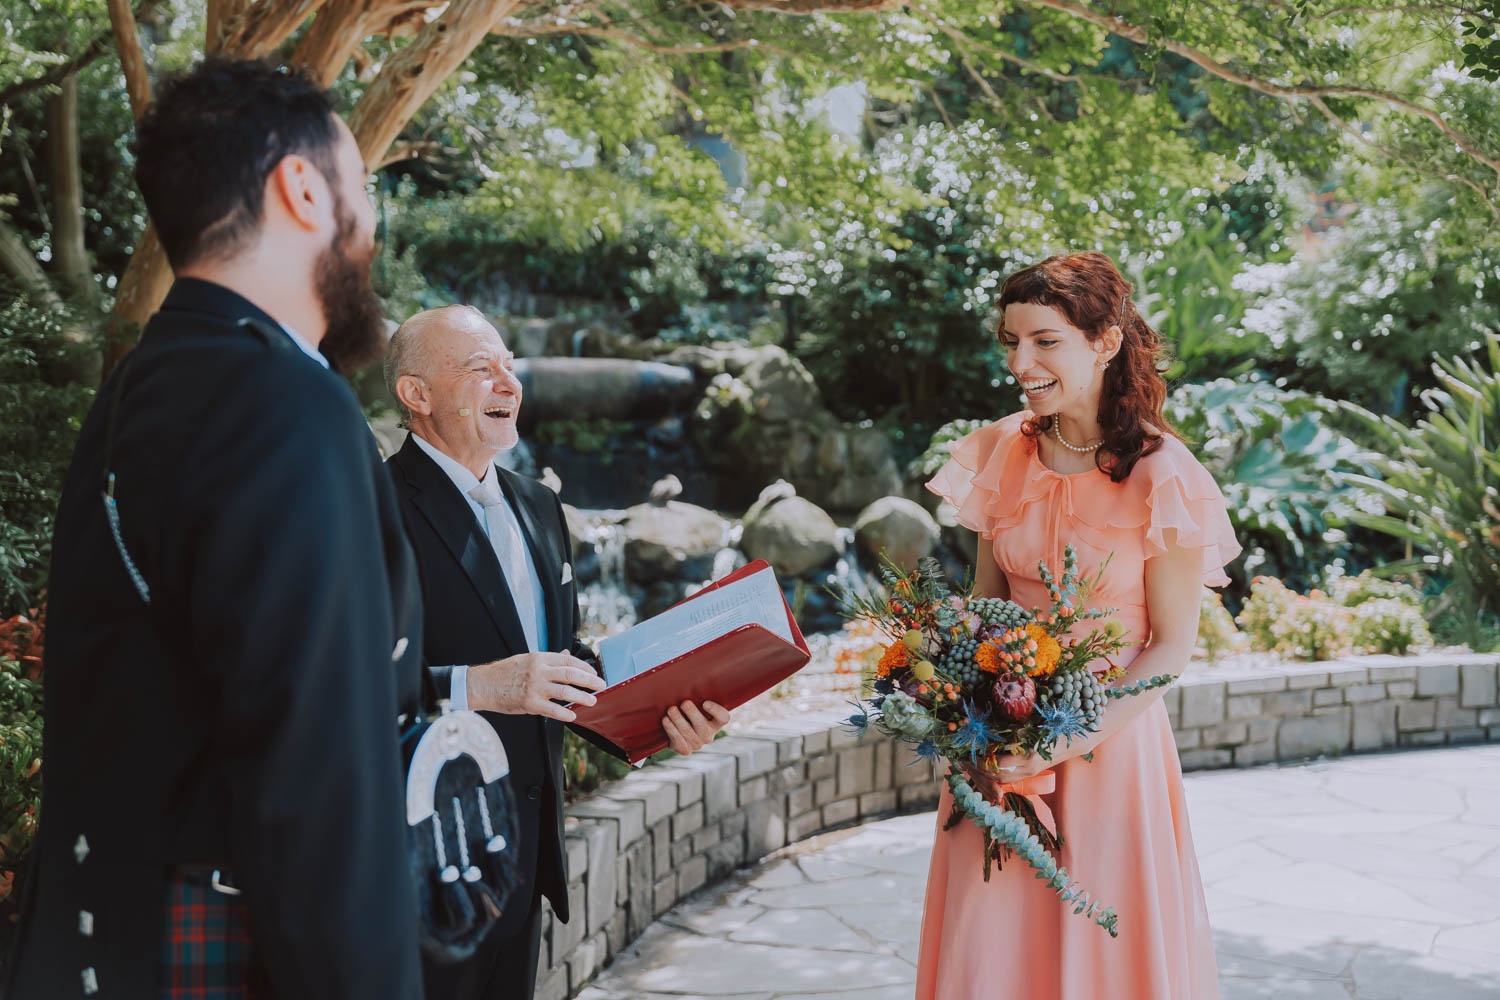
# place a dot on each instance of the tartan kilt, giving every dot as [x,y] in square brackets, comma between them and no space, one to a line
[206,951]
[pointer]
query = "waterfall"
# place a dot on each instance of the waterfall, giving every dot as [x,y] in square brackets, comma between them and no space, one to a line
[605,603]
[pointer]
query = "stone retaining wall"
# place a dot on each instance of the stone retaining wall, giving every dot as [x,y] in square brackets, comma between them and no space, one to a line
[642,844]
[1355,704]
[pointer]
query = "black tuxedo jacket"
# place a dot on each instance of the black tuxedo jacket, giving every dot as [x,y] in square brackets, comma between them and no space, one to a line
[469,618]
[246,718]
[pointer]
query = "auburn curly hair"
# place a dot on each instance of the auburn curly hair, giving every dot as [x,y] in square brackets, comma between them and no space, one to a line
[1089,290]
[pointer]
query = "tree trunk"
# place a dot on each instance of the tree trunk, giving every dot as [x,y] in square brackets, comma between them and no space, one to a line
[412,75]
[142,288]
[132,60]
[16,260]
[68,248]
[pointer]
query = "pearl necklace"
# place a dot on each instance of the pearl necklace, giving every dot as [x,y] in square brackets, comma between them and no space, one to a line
[1083,448]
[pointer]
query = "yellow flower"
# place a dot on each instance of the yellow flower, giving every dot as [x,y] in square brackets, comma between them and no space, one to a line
[1047,651]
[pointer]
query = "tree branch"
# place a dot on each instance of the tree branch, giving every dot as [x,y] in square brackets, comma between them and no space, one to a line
[538,30]
[338,30]
[132,62]
[100,45]
[1135,33]
[966,46]
[1406,161]
[412,75]
[255,32]
[804,7]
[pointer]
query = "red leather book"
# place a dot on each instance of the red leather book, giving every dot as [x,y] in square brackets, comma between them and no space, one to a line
[729,669]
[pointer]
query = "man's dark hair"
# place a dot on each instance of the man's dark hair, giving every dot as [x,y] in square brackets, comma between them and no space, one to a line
[210,139]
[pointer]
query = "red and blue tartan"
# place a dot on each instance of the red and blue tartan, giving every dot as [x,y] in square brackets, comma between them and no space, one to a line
[206,952]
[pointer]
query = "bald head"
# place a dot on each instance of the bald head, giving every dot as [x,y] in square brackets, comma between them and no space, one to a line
[410,350]
[456,384]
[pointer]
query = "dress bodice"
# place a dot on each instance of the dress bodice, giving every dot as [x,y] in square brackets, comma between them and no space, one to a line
[998,486]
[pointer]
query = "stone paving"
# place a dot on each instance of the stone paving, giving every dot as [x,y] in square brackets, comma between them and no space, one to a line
[1363,878]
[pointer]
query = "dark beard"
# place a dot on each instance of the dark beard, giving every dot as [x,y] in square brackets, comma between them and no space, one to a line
[356,321]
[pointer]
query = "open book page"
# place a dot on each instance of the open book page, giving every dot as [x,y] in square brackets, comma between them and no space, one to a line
[754,600]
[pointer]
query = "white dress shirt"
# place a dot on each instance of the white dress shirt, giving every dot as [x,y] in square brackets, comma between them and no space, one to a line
[304,346]
[465,480]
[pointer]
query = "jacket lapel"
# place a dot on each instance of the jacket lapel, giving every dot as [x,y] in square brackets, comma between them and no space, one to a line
[544,555]
[453,520]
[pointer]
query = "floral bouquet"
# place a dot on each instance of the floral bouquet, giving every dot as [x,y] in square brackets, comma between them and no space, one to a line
[968,679]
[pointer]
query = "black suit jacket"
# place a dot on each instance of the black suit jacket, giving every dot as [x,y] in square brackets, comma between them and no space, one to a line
[469,618]
[247,717]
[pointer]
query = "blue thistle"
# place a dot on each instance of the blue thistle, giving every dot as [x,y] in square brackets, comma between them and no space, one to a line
[974,735]
[859,722]
[1062,720]
[884,685]
[926,750]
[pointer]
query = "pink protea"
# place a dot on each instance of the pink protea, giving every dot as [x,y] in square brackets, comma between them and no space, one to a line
[1015,697]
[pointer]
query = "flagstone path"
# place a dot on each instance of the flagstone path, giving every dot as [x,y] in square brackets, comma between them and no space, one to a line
[1365,878]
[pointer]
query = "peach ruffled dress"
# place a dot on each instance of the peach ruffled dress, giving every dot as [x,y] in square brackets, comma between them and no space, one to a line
[1122,817]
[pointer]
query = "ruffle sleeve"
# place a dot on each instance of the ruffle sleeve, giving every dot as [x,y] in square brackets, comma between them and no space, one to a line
[1184,497]
[970,480]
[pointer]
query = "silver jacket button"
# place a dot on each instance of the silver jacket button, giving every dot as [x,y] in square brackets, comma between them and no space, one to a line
[81,848]
[90,981]
[401,645]
[85,923]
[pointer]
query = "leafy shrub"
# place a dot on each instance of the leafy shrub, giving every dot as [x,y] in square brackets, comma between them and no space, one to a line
[1285,471]
[1389,625]
[1187,293]
[1310,627]
[1359,316]
[586,767]
[1269,602]
[20,744]
[941,447]
[1217,636]
[40,414]
[1352,591]
[1440,484]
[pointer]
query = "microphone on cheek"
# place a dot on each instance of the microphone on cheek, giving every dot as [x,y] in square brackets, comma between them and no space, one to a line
[463,411]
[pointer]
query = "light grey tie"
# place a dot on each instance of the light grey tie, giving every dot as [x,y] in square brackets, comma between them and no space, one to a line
[505,536]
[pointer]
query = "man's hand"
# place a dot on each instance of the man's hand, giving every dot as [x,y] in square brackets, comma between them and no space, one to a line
[688,730]
[533,684]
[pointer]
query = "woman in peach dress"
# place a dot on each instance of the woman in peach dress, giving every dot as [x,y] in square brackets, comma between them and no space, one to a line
[1091,462]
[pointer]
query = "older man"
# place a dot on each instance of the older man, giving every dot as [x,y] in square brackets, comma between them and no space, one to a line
[498,591]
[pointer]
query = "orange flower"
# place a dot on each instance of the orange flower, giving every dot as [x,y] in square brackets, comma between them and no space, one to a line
[1047,652]
[894,658]
[988,657]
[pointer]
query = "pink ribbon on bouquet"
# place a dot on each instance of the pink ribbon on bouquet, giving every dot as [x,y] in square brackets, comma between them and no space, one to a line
[1032,789]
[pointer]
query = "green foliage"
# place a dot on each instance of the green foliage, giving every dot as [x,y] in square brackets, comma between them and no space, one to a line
[1352,591]
[1359,315]
[1440,483]
[940,449]
[40,414]
[1310,627]
[1284,470]
[586,767]
[20,744]
[1217,636]
[588,436]
[1186,291]
[1386,625]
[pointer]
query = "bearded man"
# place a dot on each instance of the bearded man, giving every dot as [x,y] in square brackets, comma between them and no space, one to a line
[234,609]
